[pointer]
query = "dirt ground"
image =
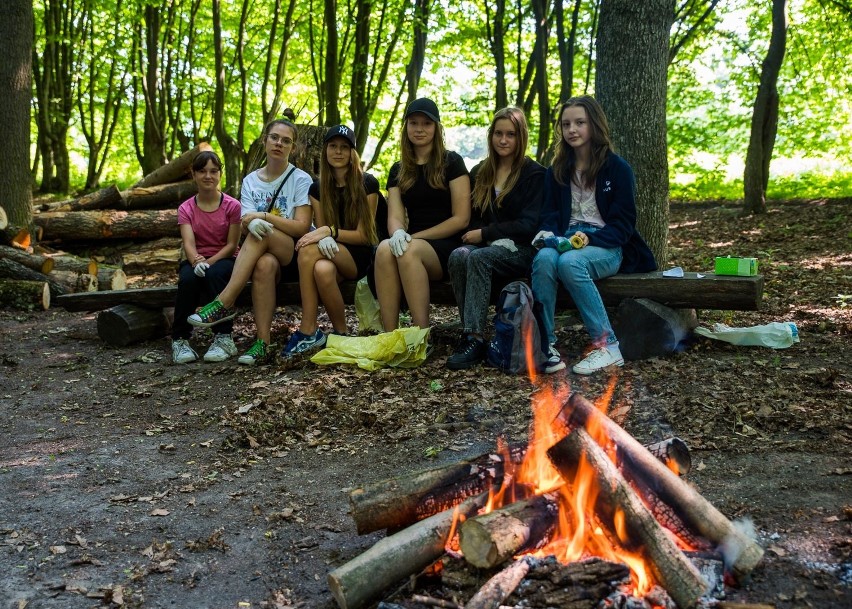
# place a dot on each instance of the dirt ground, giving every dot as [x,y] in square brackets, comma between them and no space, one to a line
[128,481]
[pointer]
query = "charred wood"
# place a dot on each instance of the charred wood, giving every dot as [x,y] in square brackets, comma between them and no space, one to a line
[500,586]
[654,478]
[641,532]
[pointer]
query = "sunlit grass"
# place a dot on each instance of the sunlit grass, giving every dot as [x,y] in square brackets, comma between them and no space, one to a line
[713,186]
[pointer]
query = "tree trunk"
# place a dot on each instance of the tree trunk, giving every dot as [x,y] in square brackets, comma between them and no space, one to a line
[100,199]
[109,224]
[16,27]
[764,118]
[414,68]
[630,84]
[36,262]
[163,196]
[173,171]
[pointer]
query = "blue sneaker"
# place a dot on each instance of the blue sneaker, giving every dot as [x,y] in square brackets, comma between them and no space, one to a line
[300,343]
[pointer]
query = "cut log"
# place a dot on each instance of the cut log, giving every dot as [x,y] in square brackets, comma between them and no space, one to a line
[645,470]
[4,219]
[648,329]
[24,294]
[500,586]
[126,324]
[18,236]
[164,196]
[104,198]
[108,224]
[36,262]
[641,533]
[159,256]
[491,539]
[73,282]
[111,278]
[69,262]
[10,269]
[393,558]
[397,502]
[174,170]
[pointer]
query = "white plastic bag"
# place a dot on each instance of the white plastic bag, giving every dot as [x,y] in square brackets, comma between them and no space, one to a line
[777,335]
[367,308]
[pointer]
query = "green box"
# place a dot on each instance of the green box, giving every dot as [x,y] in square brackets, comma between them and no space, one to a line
[736,266]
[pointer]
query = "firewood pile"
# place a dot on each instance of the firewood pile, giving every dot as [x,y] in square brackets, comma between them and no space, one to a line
[582,516]
[138,224]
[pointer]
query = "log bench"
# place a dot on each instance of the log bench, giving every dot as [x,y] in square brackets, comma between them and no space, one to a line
[137,314]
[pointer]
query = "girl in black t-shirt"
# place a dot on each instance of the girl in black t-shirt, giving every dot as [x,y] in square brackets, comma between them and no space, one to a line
[428,208]
[344,201]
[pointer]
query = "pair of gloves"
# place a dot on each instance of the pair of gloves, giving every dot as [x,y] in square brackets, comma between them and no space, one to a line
[400,239]
[261,228]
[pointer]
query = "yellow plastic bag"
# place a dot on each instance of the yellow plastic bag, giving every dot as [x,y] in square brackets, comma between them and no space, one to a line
[367,307]
[402,348]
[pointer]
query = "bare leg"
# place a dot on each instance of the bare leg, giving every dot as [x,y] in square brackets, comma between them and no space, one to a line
[327,278]
[388,286]
[418,266]
[263,284]
[308,258]
[250,252]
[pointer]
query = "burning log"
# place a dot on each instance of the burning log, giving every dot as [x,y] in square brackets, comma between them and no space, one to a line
[491,539]
[640,532]
[642,468]
[498,588]
[24,294]
[409,551]
[397,502]
[108,224]
[674,453]
[36,262]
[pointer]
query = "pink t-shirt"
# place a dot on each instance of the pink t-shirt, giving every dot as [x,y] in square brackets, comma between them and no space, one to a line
[210,228]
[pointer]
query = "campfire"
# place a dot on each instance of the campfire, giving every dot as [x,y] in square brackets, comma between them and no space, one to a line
[583,501]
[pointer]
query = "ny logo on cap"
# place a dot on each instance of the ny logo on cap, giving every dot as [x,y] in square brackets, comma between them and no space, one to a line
[343,130]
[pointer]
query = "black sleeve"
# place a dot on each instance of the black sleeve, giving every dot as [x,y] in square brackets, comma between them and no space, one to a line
[393,175]
[314,190]
[371,184]
[518,219]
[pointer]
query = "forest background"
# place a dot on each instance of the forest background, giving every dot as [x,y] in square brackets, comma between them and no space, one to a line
[121,86]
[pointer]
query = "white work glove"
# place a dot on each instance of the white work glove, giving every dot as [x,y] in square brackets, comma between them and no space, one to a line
[399,242]
[328,246]
[538,240]
[260,228]
[201,269]
[507,243]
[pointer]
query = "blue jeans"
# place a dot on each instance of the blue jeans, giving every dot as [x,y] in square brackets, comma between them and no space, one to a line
[577,270]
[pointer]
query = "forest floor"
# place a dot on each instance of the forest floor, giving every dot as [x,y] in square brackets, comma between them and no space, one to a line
[128,481]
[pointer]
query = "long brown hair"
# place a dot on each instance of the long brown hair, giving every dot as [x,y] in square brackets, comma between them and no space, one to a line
[352,197]
[564,159]
[487,175]
[434,167]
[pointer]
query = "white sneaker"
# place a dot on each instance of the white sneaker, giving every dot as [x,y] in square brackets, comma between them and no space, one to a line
[599,359]
[221,348]
[554,361]
[182,353]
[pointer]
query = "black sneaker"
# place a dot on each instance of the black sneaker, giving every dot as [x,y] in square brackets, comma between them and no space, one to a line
[469,353]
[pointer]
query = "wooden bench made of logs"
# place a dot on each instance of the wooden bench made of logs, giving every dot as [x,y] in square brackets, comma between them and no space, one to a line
[709,291]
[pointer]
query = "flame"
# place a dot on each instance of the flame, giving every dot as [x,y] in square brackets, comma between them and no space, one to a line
[578,533]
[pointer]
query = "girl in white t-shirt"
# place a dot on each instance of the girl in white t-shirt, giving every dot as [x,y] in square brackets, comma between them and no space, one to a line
[276,212]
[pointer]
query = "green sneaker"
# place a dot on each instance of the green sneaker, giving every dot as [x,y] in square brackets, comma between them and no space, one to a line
[257,354]
[210,315]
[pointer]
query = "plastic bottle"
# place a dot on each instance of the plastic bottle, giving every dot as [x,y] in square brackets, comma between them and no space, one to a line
[560,244]
[777,335]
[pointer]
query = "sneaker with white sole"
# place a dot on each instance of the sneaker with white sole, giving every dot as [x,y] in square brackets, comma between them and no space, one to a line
[300,343]
[601,358]
[258,353]
[554,361]
[182,353]
[221,348]
[210,315]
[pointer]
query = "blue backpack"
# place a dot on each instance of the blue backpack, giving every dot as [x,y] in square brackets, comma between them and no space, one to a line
[517,317]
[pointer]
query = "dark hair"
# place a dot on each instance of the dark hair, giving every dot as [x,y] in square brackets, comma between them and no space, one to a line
[281,121]
[486,176]
[201,159]
[563,158]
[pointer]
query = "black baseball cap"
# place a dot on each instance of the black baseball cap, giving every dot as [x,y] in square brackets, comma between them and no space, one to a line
[340,131]
[426,106]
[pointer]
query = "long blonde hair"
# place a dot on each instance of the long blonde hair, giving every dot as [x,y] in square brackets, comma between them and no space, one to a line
[564,158]
[352,198]
[434,167]
[487,176]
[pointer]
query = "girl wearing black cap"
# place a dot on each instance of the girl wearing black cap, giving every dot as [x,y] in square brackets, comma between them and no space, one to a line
[344,201]
[428,208]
